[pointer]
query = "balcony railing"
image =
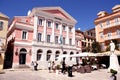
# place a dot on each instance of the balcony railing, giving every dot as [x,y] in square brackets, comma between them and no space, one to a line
[112,37]
[45,44]
[112,25]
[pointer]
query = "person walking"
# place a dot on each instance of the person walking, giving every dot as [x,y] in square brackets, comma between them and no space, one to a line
[49,66]
[35,65]
[32,65]
[53,66]
[63,66]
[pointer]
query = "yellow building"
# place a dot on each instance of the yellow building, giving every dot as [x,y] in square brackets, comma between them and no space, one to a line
[108,27]
[3,31]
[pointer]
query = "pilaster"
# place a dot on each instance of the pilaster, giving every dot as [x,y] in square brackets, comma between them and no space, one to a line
[44,30]
[53,33]
[67,37]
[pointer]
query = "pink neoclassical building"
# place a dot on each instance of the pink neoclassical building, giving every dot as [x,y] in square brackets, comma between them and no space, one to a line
[43,35]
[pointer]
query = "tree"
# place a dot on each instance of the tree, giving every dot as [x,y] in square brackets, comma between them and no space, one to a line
[96,47]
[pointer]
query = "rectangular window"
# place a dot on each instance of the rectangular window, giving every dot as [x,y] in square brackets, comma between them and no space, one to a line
[49,24]
[70,42]
[118,32]
[101,25]
[64,27]
[56,25]
[48,38]
[77,43]
[116,20]
[107,22]
[63,40]
[70,29]
[109,34]
[40,22]
[101,34]
[1,25]
[56,39]
[88,44]
[102,46]
[24,35]
[39,37]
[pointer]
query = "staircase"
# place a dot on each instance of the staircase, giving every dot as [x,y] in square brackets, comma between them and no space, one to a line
[24,66]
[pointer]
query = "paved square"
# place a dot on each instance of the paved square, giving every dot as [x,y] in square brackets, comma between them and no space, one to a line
[101,74]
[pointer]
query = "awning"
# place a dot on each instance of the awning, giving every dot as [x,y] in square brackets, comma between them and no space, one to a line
[108,53]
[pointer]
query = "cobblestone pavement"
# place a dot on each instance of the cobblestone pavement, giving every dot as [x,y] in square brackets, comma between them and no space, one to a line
[45,75]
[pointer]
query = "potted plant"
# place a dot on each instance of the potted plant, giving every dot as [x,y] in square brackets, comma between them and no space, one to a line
[113,76]
[57,69]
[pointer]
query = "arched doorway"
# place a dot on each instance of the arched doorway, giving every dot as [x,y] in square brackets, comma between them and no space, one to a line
[64,53]
[48,54]
[77,58]
[71,53]
[22,56]
[39,54]
[57,55]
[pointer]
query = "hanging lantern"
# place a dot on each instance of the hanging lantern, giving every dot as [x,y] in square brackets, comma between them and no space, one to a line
[16,52]
[30,52]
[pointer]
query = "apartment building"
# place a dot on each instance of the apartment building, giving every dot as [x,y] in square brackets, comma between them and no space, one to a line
[43,35]
[108,27]
[3,31]
[89,38]
[79,38]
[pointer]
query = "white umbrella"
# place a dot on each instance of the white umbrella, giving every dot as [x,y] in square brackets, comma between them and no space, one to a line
[62,56]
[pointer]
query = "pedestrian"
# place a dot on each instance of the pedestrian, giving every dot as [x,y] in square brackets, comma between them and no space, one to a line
[32,65]
[63,66]
[35,65]
[53,66]
[81,61]
[49,66]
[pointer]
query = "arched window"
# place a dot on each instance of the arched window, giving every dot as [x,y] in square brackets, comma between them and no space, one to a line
[64,53]
[23,50]
[48,54]
[57,55]
[39,54]
[22,56]
[71,53]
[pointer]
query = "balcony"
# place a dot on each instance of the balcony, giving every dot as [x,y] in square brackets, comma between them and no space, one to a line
[112,25]
[44,44]
[112,37]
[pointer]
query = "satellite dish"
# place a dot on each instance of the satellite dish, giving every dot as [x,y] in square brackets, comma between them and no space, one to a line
[28,12]
[78,28]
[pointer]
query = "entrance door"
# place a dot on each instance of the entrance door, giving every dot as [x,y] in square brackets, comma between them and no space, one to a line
[22,56]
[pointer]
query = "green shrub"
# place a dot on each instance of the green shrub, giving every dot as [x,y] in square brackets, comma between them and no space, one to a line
[58,67]
[113,71]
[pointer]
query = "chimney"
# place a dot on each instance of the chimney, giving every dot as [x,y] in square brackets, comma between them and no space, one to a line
[102,13]
[116,8]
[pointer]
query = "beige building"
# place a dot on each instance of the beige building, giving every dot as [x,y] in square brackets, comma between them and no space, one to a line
[3,31]
[78,40]
[89,38]
[84,39]
[108,27]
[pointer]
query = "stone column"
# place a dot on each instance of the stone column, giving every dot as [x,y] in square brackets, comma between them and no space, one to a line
[53,31]
[52,58]
[33,57]
[67,37]
[35,28]
[60,29]
[73,38]
[34,54]
[44,54]
[44,30]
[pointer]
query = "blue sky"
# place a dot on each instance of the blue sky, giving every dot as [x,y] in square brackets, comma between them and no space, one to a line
[84,11]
